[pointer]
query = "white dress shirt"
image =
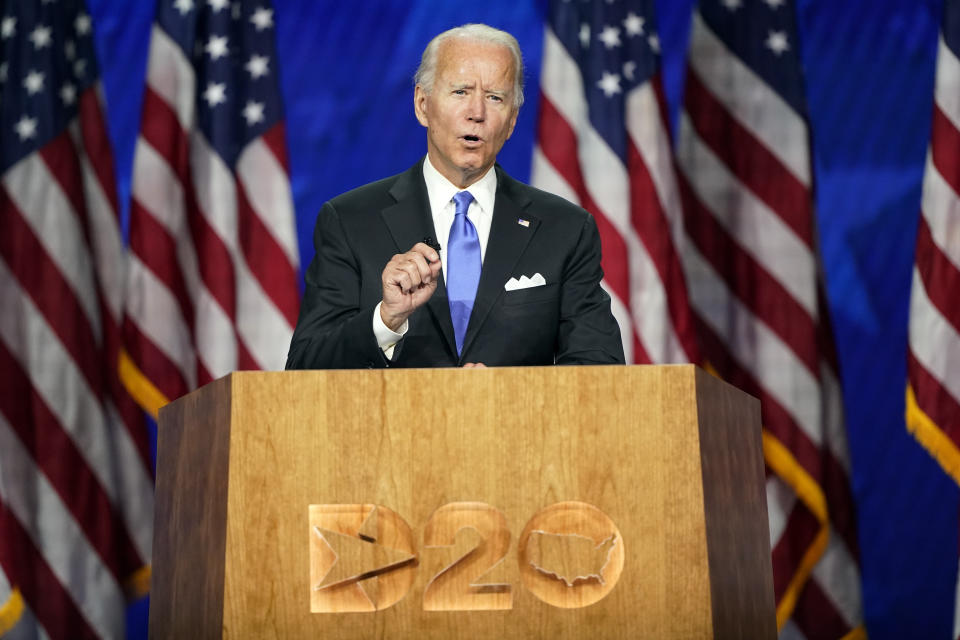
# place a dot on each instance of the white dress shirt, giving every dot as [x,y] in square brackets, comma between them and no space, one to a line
[440,192]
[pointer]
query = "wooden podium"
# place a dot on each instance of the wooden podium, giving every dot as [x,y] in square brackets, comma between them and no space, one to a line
[560,502]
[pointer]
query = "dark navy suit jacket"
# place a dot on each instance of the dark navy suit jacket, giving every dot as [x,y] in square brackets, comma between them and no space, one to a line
[566,321]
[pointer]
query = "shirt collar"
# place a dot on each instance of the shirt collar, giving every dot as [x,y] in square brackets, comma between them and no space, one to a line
[441,191]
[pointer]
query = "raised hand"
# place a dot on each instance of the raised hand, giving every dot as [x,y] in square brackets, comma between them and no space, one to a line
[409,279]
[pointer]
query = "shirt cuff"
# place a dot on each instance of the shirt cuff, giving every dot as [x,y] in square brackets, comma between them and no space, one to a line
[387,338]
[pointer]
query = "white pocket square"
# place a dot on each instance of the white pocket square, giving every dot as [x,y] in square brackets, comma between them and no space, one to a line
[536,280]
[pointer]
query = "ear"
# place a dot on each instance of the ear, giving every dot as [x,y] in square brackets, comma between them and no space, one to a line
[420,105]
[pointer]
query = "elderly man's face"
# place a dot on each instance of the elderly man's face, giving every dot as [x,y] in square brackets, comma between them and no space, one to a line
[470,112]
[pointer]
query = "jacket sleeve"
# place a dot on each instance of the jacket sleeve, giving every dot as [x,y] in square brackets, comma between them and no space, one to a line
[333,330]
[588,332]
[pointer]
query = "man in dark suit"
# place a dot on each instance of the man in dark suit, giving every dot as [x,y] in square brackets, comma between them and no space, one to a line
[517,281]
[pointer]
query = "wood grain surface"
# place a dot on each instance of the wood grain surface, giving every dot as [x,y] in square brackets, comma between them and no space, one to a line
[626,440]
[190,517]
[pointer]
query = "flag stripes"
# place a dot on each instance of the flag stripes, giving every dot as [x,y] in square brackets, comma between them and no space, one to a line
[933,363]
[214,264]
[557,144]
[64,466]
[53,324]
[54,405]
[53,606]
[729,79]
[76,486]
[66,584]
[619,170]
[771,183]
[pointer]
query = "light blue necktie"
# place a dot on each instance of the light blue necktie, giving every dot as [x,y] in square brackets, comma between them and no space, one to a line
[463,267]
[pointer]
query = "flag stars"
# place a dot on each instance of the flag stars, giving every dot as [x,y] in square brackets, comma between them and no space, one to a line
[610,37]
[183,6]
[218,5]
[79,67]
[26,128]
[215,93]
[777,42]
[33,83]
[654,41]
[217,47]
[40,37]
[633,24]
[235,10]
[82,24]
[774,4]
[8,27]
[732,5]
[629,68]
[68,94]
[584,35]
[262,18]
[257,66]
[610,84]
[253,113]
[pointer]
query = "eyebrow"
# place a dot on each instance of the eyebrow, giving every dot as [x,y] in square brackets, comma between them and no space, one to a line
[471,85]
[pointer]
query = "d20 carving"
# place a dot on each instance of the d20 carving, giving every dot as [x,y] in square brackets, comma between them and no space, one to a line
[571,554]
[458,586]
[362,558]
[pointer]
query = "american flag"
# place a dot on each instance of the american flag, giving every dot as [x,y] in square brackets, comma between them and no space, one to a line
[213,268]
[756,290]
[603,143]
[76,487]
[933,361]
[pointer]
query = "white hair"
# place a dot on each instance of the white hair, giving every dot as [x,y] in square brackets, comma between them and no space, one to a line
[478,33]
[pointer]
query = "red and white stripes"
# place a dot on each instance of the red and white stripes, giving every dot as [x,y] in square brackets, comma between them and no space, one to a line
[933,364]
[212,278]
[76,490]
[933,358]
[634,204]
[752,268]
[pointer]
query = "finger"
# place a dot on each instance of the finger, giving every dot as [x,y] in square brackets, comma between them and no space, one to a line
[412,272]
[401,279]
[403,272]
[428,252]
[426,269]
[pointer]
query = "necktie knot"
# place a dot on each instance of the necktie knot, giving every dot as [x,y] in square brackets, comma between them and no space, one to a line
[461,201]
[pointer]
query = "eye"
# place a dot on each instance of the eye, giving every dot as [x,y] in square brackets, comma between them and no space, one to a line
[495,98]
[459,92]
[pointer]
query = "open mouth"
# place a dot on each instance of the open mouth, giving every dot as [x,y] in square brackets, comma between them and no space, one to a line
[472,138]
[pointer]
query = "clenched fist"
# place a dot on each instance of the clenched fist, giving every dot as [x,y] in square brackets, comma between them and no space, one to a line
[409,279]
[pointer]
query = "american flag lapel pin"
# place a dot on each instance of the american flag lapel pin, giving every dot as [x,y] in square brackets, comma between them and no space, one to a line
[523,223]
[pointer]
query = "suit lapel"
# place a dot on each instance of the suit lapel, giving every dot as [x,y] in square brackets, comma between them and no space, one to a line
[507,242]
[410,221]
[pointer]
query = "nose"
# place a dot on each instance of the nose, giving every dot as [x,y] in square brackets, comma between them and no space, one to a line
[476,109]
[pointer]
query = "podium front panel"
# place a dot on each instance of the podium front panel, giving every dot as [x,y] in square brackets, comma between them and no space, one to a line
[500,503]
